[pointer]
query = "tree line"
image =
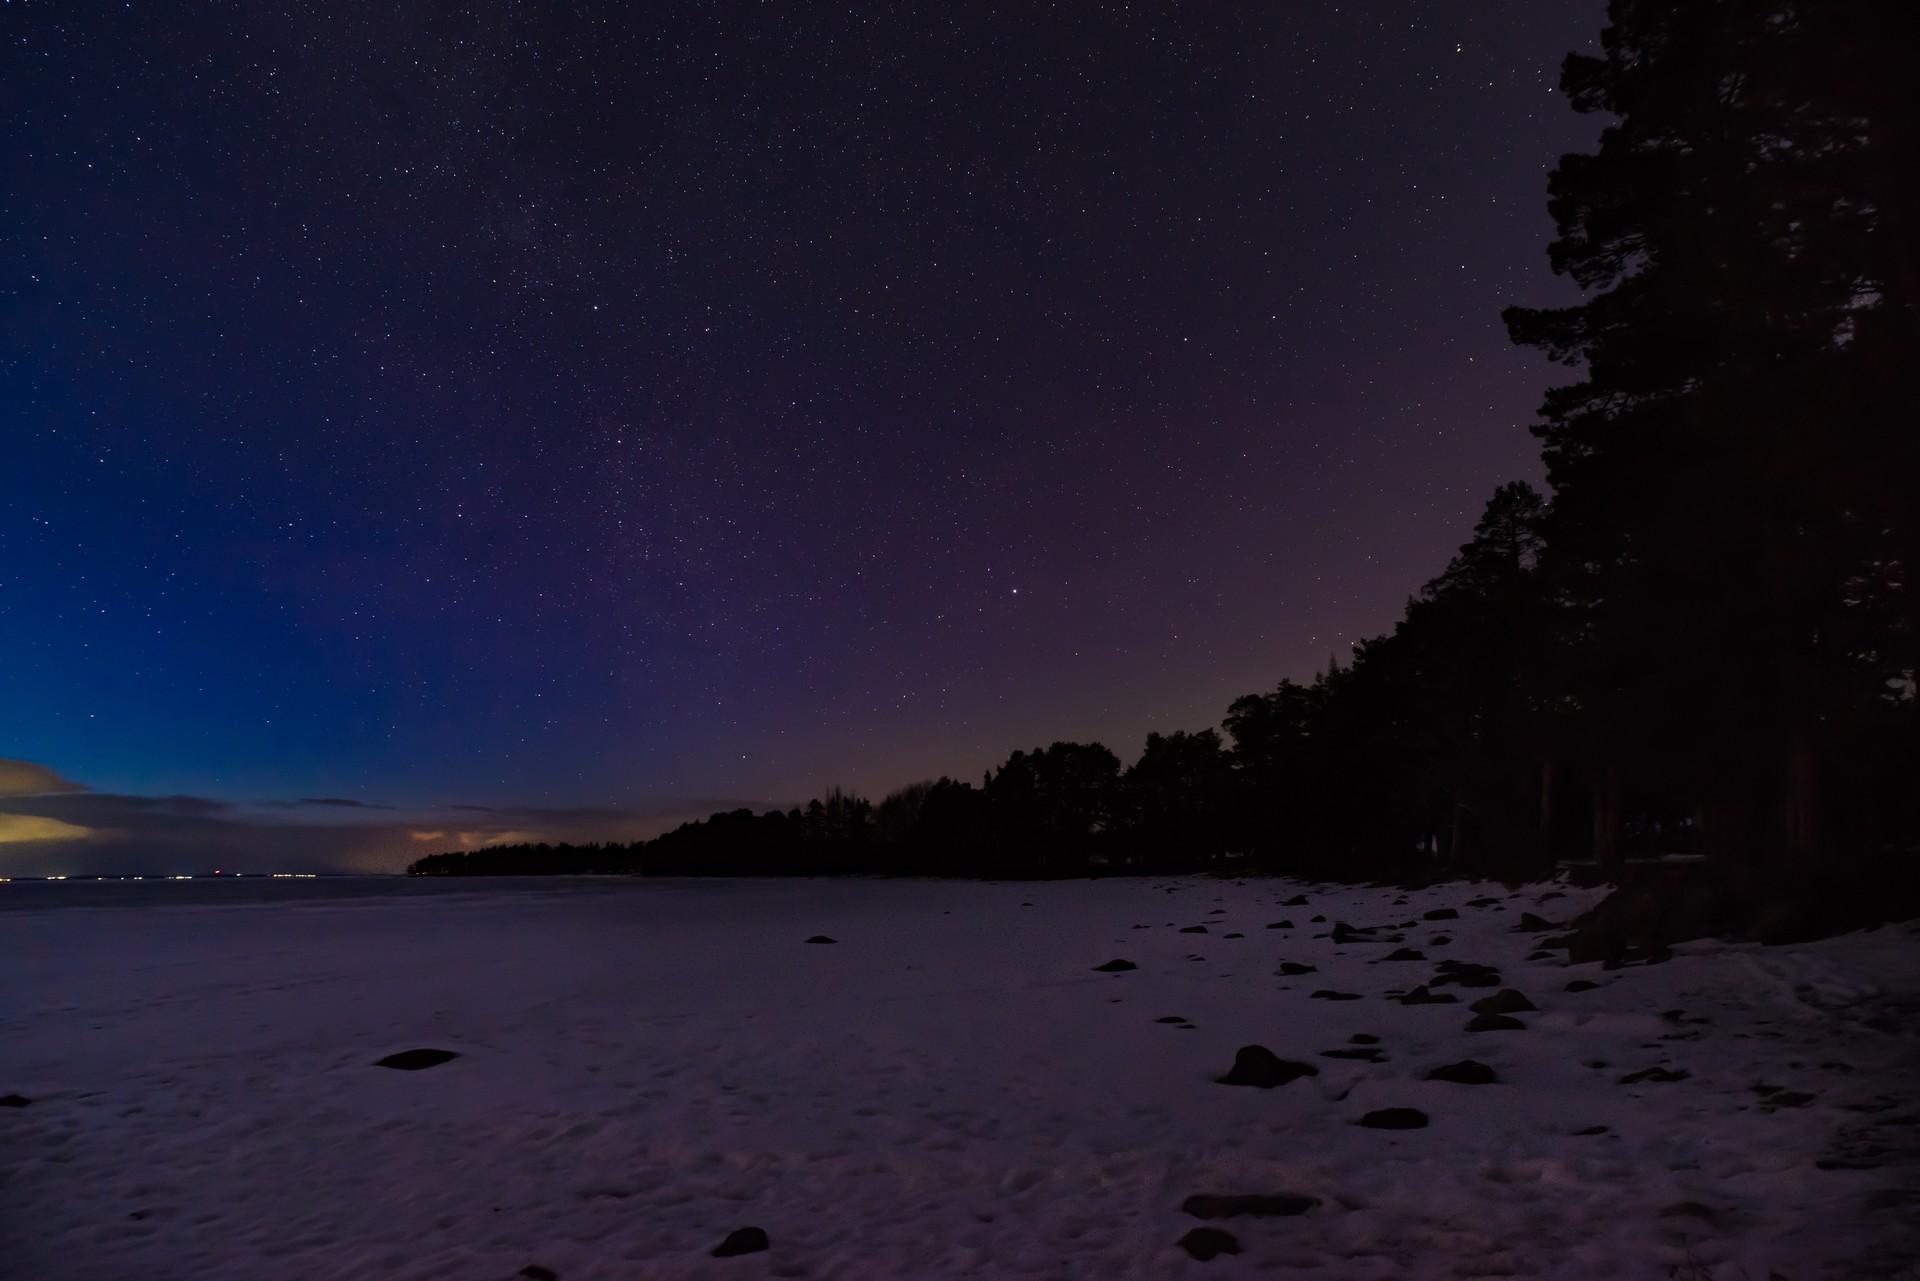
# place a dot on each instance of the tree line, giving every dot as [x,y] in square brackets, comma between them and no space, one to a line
[1701,640]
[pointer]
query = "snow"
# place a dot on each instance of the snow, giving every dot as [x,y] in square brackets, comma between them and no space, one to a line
[950,1090]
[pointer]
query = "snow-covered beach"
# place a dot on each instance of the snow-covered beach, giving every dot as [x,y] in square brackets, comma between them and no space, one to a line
[950,1088]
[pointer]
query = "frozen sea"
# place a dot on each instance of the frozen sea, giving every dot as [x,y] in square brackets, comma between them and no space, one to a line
[949,1090]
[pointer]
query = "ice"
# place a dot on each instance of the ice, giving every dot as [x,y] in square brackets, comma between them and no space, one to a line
[951,1090]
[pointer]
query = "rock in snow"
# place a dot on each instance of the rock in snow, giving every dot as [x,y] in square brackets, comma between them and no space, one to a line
[1208,1243]
[1395,1119]
[1261,1068]
[1505,1001]
[1115,966]
[1265,1205]
[415,1060]
[1465,1072]
[742,1241]
[1495,1023]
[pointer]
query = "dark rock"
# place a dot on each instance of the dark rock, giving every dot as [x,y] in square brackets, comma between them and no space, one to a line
[1261,1068]
[1234,936]
[821,938]
[1483,902]
[1363,1054]
[1266,1205]
[1656,1074]
[1218,911]
[1439,940]
[1465,1072]
[742,1241]
[1316,920]
[1281,925]
[1298,900]
[415,1060]
[1293,968]
[1404,954]
[1207,1243]
[1581,985]
[14,1101]
[1528,921]
[1364,1038]
[1590,1131]
[1441,914]
[1172,1018]
[1505,1001]
[1328,994]
[1421,996]
[1539,956]
[1193,929]
[1495,1023]
[1344,933]
[1395,1119]
[534,1272]
[1466,974]
[1115,966]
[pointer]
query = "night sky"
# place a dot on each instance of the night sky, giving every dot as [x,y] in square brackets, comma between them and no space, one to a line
[561,419]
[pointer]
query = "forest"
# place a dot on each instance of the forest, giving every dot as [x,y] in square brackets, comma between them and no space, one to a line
[1700,640]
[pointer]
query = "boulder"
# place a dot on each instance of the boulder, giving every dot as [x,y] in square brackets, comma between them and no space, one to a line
[1441,914]
[1505,1001]
[821,938]
[1655,1074]
[1262,1069]
[1291,969]
[1395,1119]
[1115,966]
[1265,1205]
[416,1060]
[742,1241]
[1495,1023]
[1208,1243]
[1465,1072]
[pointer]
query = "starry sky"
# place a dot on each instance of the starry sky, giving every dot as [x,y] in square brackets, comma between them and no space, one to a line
[564,419]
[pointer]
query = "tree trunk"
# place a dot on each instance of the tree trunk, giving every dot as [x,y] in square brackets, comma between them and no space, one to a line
[1802,802]
[1606,816]
[1546,803]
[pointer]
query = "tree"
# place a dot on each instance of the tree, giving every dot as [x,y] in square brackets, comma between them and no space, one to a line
[1725,534]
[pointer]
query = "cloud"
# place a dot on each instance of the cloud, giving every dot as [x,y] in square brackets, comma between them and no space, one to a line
[24,778]
[51,826]
[16,829]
